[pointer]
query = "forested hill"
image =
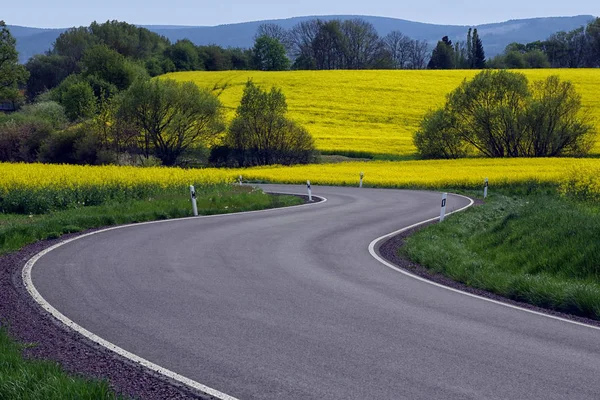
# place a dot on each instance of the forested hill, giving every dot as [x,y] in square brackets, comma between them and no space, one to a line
[31,41]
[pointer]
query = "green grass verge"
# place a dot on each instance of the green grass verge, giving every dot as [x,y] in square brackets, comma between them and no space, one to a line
[28,379]
[17,230]
[540,248]
[36,379]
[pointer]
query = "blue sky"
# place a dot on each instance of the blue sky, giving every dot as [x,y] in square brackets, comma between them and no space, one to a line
[66,13]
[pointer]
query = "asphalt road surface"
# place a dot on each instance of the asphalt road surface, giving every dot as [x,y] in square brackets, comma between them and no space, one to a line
[289,304]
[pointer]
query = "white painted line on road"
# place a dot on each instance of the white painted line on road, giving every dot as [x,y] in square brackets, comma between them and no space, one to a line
[374,245]
[28,282]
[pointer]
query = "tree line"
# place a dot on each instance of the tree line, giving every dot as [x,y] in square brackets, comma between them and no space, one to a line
[346,44]
[579,48]
[107,110]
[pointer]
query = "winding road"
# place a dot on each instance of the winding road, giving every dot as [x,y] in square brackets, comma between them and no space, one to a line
[290,304]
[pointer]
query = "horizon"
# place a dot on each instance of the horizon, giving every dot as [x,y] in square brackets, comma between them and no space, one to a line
[289,18]
[67,13]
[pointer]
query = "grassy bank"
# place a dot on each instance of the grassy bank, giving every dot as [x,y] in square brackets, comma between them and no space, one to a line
[26,379]
[541,249]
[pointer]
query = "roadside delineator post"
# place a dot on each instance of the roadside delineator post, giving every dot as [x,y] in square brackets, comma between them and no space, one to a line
[443,210]
[485,188]
[309,191]
[194,204]
[362,175]
[240,180]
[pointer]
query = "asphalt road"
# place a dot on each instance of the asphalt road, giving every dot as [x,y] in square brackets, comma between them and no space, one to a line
[289,304]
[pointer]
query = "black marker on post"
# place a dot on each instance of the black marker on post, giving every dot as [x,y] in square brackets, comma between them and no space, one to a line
[309,191]
[194,205]
[443,210]
[362,175]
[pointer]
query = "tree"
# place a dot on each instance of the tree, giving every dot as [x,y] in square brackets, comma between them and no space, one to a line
[437,136]
[260,133]
[478,56]
[45,73]
[329,45]
[418,55]
[553,122]
[399,47]
[277,32]
[110,66]
[443,55]
[77,97]
[269,54]
[536,59]
[171,116]
[12,74]
[593,38]
[362,44]
[500,115]
[184,55]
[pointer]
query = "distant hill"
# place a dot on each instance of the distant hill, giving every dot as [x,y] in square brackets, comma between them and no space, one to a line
[31,41]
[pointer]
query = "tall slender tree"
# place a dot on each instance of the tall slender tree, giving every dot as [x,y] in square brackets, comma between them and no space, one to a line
[470,48]
[478,52]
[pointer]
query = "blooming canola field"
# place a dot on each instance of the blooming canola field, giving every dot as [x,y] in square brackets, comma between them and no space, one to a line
[374,112]
[39,188]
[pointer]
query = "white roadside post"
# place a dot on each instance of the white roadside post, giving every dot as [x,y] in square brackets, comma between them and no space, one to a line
[443,210]
[362,175]
[194,204]
[309,191]
[485,188]
[240,180]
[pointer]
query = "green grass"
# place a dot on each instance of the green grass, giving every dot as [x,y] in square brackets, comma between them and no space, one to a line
[35,379]
[17,230]
[27,379]
[540,248]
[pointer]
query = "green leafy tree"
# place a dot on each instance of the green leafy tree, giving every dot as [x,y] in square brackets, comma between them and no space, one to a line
[184,56]
[536,59]
[77,97]
[500,115]
[110,66]
[260,133]
[270,54]
[46,71]
[171,116]
[12,74]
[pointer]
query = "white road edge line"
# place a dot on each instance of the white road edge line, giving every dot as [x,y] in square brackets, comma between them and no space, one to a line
[374,245]
[33,292]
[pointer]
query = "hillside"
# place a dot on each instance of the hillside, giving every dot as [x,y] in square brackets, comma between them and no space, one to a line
[374,112]
[31,41]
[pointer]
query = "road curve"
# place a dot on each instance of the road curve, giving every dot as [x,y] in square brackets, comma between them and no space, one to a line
[290,304]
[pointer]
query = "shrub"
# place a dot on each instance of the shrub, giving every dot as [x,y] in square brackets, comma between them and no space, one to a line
[500,115]
[437,137]
[260,134]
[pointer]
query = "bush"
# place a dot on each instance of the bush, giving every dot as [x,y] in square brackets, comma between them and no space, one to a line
[260,134]
[59,148]
[437,137]
[49,111]
[500,115]
[21,138]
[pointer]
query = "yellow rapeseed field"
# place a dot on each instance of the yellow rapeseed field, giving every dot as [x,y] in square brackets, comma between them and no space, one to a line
[375,112]
[435,174]
[40,188]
